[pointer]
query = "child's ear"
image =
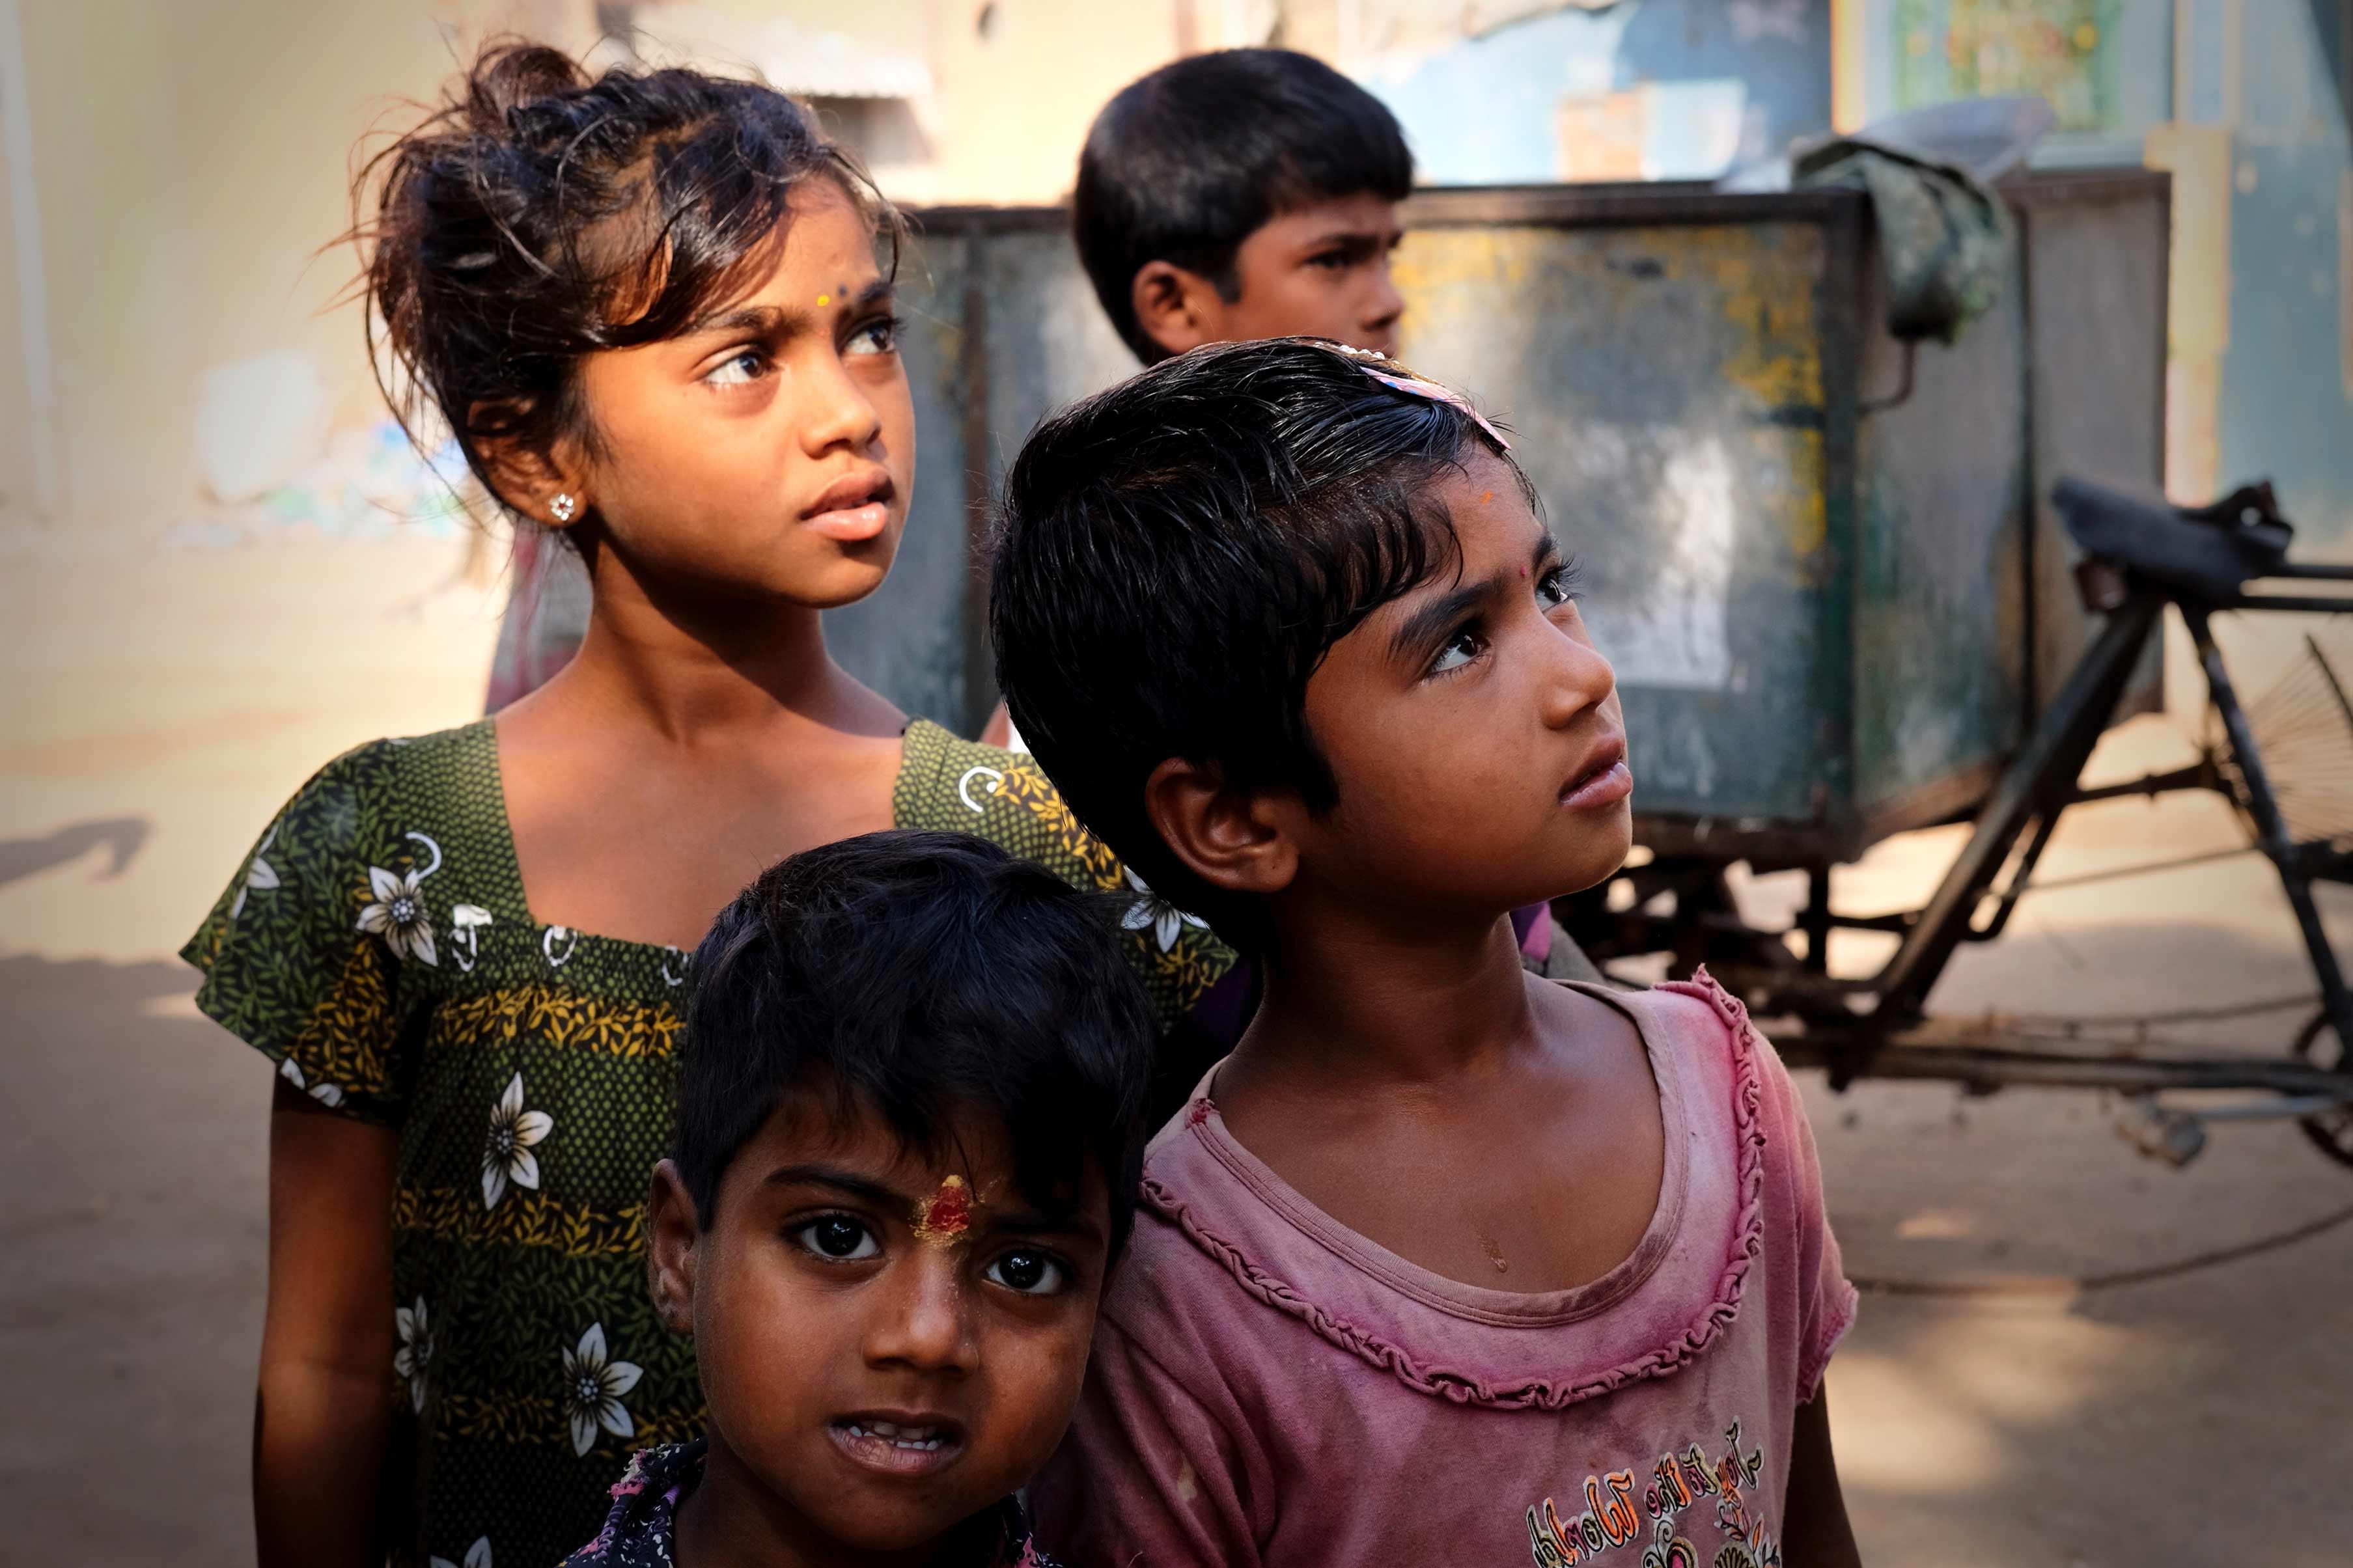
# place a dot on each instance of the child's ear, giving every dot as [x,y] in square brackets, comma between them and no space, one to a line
[669,1259]
[1176,308]
[549,487]
[1241,840]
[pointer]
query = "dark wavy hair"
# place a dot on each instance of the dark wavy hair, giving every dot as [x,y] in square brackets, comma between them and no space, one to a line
[908,974]
[1175,557]
[540,215]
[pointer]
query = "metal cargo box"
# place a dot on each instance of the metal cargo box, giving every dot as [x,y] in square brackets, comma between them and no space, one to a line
[1826,577]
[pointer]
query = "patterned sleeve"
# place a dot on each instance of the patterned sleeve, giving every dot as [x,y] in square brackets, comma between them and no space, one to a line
[301,955]
[1006,797]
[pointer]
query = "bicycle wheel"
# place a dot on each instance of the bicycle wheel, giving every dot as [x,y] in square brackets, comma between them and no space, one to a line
[2332,1130]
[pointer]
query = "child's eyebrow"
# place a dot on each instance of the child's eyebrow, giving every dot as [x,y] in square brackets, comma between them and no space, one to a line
[864,1188]
[775,323]
[1436,618]
[1356,241]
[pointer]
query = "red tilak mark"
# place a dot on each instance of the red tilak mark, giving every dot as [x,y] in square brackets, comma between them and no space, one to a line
[1487,496]
[947,1215]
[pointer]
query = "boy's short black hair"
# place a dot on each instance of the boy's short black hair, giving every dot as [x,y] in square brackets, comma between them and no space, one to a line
[911,975]
[1175,557]
[1186,163]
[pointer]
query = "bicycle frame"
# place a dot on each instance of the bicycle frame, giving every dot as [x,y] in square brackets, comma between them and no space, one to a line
[1893,1039]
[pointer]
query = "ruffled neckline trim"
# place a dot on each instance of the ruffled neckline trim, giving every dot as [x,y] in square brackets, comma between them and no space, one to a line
[1503,1308]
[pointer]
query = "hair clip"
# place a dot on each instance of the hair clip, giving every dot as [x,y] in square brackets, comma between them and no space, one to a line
[1399,379]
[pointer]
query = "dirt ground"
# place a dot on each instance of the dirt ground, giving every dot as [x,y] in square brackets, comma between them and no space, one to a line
[167,700]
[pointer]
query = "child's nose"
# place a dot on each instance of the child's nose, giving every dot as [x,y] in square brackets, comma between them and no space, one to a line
[1386,305]
[836,412]
[1577,678]
[923,1318]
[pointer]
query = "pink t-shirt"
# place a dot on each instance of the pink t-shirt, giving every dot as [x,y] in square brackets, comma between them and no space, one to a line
[1267,1387]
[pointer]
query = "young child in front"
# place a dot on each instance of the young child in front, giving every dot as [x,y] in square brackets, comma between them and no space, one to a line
[908,1134]
[1447,1263]
[656,310]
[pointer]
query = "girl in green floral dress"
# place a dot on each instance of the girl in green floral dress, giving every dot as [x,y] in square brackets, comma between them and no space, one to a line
[650,307]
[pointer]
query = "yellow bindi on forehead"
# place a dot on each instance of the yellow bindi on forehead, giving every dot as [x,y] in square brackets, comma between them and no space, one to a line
[823,300]
[942,1219]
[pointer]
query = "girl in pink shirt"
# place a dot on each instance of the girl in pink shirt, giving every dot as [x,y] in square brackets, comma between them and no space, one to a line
[1446,1263]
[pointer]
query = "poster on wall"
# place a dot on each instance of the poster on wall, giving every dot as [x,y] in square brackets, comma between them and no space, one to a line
[2106,67]
[2061,50]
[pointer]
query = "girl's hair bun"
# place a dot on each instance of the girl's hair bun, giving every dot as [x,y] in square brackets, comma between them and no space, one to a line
[515,75]
[539,214]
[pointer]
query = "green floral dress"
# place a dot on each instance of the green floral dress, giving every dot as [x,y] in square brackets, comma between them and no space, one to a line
[377,947]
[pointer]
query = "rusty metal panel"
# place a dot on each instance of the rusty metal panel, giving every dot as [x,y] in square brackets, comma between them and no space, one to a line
[1822,608]
[1049,341]
[2096,246]
[1666,380]
[1940,608]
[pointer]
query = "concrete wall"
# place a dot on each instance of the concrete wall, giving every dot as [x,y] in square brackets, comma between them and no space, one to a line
[185,170]
[188,174]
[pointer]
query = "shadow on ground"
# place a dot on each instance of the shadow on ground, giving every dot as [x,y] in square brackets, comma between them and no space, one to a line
[122,837]
[133,1154]
[2180,1421]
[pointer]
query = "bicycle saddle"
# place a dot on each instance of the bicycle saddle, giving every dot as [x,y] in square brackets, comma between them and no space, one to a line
[2209,548]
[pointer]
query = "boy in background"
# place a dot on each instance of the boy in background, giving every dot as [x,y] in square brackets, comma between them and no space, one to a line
[1244,194]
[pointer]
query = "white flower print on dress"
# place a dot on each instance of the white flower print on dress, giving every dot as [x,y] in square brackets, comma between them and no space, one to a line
[466,923]
[413,1359]
[593,1386]
[964,788]
[1154,913]
[326,1094]
[478,1555]
[258,876]
[506,1152]
[397,915]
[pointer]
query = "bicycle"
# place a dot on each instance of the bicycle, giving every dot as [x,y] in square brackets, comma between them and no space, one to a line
[2139,557]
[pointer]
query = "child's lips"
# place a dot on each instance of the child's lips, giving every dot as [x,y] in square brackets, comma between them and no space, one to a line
[851,524]
[902,1446]
[852,508]
[1605,781]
